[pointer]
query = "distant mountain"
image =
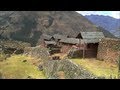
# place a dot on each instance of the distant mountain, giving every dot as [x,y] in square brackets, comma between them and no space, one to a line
[28,26]
[109,23]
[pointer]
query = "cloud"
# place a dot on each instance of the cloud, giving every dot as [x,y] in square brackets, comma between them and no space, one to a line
[115,14]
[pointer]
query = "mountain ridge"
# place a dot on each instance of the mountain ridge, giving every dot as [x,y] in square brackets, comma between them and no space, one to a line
[107,22]
[28,26]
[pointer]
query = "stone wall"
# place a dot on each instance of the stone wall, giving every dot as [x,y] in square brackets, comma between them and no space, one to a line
[37,52]
[54,69]
[109,50]
[12,46]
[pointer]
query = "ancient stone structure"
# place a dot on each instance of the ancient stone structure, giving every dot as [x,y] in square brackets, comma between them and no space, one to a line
[65,69]
[37,52]
[58,69]
[12,46]
[109,50]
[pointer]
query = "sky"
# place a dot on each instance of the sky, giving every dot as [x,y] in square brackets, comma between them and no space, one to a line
[115,14]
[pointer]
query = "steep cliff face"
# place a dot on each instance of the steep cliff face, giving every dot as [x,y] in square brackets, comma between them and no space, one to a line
[28,26]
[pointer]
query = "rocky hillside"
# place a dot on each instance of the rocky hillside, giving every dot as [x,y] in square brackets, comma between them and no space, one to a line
[28,26]
[109,23]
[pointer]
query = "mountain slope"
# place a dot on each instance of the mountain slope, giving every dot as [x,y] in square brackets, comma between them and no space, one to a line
[28,26]
[109,23]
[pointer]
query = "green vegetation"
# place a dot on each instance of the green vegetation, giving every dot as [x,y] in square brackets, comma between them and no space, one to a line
[98,68]
[15,67]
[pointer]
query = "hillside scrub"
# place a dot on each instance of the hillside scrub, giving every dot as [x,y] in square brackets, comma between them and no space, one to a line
[29,26]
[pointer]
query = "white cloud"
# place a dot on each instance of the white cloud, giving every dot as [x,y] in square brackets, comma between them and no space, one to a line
[115,14]
[87,12]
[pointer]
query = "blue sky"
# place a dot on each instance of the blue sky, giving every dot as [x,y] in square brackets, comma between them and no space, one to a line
[115,14]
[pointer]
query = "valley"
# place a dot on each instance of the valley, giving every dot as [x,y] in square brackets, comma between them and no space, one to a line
[56,45]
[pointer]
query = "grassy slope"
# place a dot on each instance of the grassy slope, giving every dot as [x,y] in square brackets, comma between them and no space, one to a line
[14,68]
[98,68]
